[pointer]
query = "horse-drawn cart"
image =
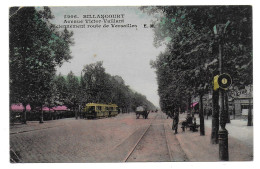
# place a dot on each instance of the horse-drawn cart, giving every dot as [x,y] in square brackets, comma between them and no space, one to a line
[141,110]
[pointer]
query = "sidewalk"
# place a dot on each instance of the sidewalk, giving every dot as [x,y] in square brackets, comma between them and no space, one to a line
[35,125]
[198,148]
[238,129]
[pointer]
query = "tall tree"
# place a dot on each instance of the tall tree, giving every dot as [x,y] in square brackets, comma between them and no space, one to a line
[60,89]
[189,62]
[101,87]
[73,88]
[36,48]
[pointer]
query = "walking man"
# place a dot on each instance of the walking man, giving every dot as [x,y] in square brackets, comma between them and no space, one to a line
[175,122]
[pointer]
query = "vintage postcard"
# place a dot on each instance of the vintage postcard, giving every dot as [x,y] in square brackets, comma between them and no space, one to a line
[95,84]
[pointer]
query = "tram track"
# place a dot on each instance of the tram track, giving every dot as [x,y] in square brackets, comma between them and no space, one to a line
[167,143]
[127,138]
[181,156]
[167,139]
[132,150]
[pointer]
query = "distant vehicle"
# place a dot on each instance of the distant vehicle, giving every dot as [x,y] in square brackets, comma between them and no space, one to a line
[96,110]
[141,110]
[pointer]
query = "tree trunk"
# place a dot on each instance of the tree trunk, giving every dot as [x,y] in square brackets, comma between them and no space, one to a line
[189,104]
[201,115]
[192,110]
[249,122]
[215,118]
[234,112]
[76,113]
[207,114]
[41,115]
[24,120]
[226,107]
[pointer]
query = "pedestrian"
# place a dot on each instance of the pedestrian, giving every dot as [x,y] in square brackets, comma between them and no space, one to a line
[175,122]
[168,114]
[189,119]
[194,124]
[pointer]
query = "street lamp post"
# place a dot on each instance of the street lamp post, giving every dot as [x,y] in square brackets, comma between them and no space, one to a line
[219,31]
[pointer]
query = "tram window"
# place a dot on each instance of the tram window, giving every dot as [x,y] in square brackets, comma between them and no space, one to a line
[92,108]
[98,107]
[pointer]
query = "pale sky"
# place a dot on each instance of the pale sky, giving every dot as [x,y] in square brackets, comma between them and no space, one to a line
[124,51]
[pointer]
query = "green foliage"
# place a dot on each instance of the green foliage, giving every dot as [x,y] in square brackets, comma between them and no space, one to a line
[189,63]
[100,87]
[36,48]
[60,89]
[96,86]
[73,91]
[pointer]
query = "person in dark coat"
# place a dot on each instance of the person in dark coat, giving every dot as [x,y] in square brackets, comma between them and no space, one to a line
[189,119]
[175,122]
[169,114]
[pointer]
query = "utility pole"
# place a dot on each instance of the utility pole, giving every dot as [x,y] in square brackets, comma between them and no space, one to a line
[227,107]
[222,133]
[219,31]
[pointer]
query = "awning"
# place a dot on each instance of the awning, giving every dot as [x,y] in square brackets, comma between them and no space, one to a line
[59,108]
[19,107]
[194,104]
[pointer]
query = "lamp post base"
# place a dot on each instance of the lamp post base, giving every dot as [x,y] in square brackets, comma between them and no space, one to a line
[223,145]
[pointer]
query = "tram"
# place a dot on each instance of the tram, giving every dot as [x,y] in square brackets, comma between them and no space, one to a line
[97,110]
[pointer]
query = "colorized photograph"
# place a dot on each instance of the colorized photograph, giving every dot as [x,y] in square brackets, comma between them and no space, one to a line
[116,84]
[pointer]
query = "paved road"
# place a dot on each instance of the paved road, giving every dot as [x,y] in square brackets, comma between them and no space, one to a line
[101,140]
[121,138]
